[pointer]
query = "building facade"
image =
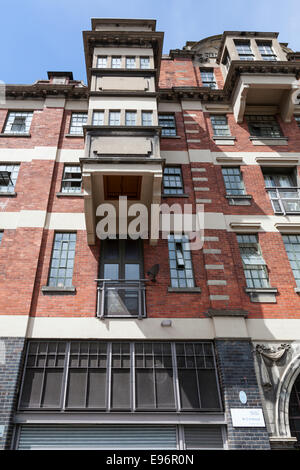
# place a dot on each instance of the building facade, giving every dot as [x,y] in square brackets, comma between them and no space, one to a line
[147,343]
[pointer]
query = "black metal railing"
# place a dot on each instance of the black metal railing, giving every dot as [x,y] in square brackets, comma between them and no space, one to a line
[121,298]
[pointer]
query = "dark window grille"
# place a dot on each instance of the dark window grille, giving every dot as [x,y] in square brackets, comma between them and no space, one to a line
[120,376]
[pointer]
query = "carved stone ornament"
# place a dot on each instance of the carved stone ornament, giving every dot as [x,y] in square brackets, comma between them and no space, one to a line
[273,354]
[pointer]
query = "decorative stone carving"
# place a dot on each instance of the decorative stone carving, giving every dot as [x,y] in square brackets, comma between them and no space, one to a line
[270,356]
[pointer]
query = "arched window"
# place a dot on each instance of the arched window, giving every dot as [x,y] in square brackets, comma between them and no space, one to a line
[294,411]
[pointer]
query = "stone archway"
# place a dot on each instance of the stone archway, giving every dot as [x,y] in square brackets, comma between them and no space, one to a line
[287,381]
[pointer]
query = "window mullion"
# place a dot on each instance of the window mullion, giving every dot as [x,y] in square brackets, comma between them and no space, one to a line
[65,376]
[109,365]
[175,377]
[132,381]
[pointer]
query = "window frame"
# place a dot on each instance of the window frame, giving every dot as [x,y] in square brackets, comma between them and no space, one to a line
[141,62]
[130,62]
[207,82]
[99,57]
[244,54]
[56,284]
[27,116]
[275,132]
[228,185]
[262,49]
[130,122]
[167,130]
[100,122]
[11,168]
[111,121]
[217,127]
[253,268]
[74,180]
[118,63]
[83,123]
[294,263]
[175,187]
[176,280]
[148,122]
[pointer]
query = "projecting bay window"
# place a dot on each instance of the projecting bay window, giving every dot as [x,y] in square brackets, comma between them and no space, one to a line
[8,178]
[77,121]
[62,260]
[244,50]
[266,51]
[181,269]
[255,268]
[71,181]
[208,78]
[283,192]
[18,122]
[120,377]
[263,126]
[292,246]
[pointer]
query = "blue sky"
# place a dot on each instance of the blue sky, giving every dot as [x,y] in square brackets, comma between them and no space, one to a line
[42,35]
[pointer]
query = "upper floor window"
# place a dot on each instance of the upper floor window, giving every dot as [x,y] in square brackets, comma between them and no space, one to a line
[263,126]
[226,61]
[145,62]
[292,246]
[77,121]
[173,183]
[8,177]
[130,63]
[116,62]
[266,51]
[18,122]
[255,268]
[181,269]
[244,50]
[233,181]
[1,236]
[147,118]
[208,78]
[167,121]
[283,191]
[98,118]
[220,124]
[130,118]
[102,62]
[62,260]
[71,181]
[114,118]
[297,119]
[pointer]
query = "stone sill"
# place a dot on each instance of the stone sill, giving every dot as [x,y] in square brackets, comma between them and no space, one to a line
[262,295]
[269,140]
[224,140]
[185,290]
[235,199]
[3,134]
[174,195]
[226,313]
[3,194]
[58,290]
[170,137]
[69,194]
[75,135]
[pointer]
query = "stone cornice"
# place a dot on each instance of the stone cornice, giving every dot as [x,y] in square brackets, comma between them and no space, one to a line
[42,90]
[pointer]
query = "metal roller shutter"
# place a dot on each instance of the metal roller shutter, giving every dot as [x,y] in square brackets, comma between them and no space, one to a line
[97,437]
[203,437]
